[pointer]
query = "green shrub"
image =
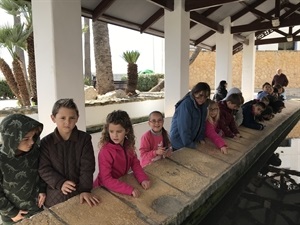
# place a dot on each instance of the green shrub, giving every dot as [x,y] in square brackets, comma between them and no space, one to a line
[146,81]
[5,91]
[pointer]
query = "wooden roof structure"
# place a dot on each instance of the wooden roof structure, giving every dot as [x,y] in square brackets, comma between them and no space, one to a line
[247,16]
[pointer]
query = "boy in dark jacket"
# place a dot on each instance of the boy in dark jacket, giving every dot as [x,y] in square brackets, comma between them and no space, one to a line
[22,192]
[226,122]
[250,112]
[67,160]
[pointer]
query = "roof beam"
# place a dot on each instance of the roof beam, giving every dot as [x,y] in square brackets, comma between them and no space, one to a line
[204,37]
[296,32]
[256,12]
[241,38]
[166,4]
[246,10]
[152,19]
[198,18]
[101,8]
[264,25]
[275,40]
[192,5]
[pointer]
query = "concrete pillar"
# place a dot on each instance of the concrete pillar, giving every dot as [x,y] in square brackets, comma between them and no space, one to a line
[248,68]
[224,44]
[58,55]
[177,29]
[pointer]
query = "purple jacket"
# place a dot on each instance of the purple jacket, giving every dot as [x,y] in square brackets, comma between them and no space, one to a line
[226,122]
[115,162]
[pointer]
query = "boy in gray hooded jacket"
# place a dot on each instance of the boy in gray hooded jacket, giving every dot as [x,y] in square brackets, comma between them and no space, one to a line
[22,192]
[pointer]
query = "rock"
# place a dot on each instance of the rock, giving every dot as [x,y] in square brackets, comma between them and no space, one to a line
[112,95]
[90,93]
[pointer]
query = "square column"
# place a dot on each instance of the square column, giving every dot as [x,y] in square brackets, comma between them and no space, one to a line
[224,44]
[248,68]
[177,29]
[58,55]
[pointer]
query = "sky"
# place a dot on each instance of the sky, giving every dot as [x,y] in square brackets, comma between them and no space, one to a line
[151,48]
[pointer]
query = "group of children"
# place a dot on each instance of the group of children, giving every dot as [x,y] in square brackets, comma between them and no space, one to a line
[38,173]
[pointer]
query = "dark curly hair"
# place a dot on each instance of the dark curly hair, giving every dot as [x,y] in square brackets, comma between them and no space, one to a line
[118,117]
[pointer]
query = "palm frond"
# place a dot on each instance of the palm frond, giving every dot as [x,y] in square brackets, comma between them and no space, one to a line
[131,56]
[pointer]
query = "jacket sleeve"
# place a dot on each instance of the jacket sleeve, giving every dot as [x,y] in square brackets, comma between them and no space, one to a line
[138,171]
[113,184]
[222,123]
[6,207]
[46,171]
[286,81]
[87,166]
[147,154]
[239,117]
[184,124]
[249,120]
[211,134]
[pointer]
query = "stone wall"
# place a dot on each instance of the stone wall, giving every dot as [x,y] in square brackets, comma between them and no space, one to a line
[266,64]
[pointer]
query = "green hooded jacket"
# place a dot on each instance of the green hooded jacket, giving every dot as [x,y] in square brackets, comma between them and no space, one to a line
[20,183]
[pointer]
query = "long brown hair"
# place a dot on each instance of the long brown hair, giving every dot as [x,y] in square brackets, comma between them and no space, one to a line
[118,117]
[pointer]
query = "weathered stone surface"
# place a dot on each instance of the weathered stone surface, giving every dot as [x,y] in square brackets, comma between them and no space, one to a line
[110,211]
[43,218]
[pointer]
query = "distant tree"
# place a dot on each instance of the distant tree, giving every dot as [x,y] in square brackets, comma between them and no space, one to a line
[87,49]
[104,75]
[131,58]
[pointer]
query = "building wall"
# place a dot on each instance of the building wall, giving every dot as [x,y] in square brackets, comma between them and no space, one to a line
[267,62]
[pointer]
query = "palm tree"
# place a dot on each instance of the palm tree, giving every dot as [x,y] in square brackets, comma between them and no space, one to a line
[10,38]
[17,8]
[131,58]
[87,49]
[102,53]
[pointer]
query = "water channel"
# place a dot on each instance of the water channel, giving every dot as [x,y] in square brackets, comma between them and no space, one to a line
[270,196]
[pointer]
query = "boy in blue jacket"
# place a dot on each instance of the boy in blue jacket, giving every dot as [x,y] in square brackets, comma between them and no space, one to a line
[250,112]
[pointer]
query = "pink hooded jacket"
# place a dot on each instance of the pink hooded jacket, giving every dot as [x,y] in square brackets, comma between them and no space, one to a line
[212,133]
[115,162]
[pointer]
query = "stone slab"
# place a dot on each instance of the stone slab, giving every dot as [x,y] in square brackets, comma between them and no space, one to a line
[199,162]
[111,211]
[162,203]
[43,218]
[177,176]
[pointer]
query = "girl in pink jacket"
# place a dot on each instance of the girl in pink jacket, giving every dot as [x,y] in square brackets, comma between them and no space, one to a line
[155,143]
[117,156]
[212,131]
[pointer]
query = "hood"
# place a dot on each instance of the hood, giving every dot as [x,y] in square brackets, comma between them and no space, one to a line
[13,128]
[188,95]
[233,90]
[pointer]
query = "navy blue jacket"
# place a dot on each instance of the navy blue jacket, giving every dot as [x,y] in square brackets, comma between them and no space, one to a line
[188,123]
[249,118]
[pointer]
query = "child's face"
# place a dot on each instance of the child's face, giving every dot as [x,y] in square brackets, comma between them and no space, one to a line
[213,110]
[200,97]
[65,120]
[117,133]
[232,106]
[27,142]
[268,88]
[156,122]
[257,110]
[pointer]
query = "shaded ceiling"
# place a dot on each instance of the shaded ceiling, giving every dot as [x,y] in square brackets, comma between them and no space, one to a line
[247,16]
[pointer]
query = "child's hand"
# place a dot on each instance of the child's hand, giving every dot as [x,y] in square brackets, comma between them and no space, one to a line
[160,151]
[91,199]
[135,193]
[224,150]
[41,199]
[237,135]
[67,187]
[146,184]
[19,216]
[168,152]
[202,142]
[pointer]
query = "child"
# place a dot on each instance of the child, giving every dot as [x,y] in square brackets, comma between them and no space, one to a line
[22,192]
[226,122]
[211,130]
[221,91]
[117,156]
[155,143]
[266,90]
[237,113]
[67,161]
[251,112]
